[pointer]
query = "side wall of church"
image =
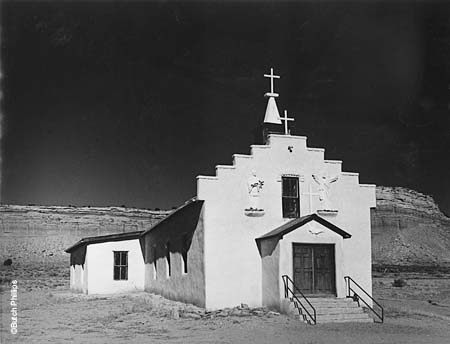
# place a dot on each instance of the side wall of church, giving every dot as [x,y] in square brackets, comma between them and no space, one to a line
[180,233]
[99,263]
[233,265]
[270,269]
[358,249]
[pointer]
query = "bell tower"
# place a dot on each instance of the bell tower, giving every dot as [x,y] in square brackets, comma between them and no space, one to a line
[272,121]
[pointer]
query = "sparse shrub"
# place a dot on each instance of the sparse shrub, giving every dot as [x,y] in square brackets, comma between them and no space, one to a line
[399,282]
[5,280]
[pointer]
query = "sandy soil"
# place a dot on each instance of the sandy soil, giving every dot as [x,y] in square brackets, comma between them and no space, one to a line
[416,313]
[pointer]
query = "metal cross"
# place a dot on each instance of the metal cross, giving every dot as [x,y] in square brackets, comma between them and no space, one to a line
[286,119]
[310,194]
[271,76]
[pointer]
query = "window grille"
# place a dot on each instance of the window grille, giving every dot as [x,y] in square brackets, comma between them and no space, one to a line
[290,197]
[120,265]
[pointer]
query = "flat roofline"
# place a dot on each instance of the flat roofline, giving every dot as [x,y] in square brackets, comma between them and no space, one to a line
[105,238]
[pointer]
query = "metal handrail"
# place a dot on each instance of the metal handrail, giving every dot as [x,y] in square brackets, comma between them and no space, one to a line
[348,279]
[286,280]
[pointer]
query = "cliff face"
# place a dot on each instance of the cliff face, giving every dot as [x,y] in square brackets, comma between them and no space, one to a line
[409,229]
[98,220]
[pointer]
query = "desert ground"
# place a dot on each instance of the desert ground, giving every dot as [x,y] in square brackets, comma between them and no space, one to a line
[418,312]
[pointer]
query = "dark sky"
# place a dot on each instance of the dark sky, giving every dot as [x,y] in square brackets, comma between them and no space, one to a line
[119,103]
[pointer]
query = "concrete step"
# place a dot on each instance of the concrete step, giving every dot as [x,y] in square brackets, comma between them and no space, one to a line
[321,319]
[342,317]
[335,305]
[361,320]
[316,300]
[333,310]
[330,304]
[339,311]
[327,300]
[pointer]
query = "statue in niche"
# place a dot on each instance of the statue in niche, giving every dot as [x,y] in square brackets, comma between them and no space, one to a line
[324,182]
[254,186]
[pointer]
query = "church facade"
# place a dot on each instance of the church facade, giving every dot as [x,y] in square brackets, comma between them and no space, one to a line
[282,210]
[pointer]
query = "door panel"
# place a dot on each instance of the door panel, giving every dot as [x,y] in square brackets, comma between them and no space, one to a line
[303,268]
[324,269]
[314,269]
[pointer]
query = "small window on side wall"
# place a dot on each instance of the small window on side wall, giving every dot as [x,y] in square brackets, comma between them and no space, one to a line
[120,265]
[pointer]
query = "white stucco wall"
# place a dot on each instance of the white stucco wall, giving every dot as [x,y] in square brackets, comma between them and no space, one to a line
[99,264]
[187,287]
[78,279]
[233,272]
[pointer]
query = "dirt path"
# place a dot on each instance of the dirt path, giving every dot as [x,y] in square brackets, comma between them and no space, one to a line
[62,317]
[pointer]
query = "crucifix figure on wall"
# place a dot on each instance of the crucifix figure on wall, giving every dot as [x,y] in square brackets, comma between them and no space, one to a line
[310,195]
[324,183]
[254,185]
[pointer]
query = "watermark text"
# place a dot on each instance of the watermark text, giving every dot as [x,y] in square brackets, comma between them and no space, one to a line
[13,304]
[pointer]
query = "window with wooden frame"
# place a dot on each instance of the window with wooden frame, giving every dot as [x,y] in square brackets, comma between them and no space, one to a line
[120,265]
[290,197]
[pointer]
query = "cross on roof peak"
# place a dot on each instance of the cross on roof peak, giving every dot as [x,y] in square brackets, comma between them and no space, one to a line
[271,76]
[286,119]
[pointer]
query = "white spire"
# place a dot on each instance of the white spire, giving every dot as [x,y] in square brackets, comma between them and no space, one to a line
[272,115]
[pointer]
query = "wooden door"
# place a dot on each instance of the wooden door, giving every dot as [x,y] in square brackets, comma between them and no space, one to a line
[314,270]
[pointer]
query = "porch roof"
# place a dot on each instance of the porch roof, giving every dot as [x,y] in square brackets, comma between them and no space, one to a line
[298,222]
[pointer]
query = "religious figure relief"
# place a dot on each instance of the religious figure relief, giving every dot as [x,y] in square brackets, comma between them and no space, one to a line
[324,183]
[254,186]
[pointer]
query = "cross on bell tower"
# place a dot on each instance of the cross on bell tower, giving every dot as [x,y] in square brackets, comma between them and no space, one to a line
[271,76]
[272,121]
[286,119]
[272,114]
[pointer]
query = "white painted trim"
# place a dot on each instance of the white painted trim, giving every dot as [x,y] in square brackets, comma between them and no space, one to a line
[245,156]
[295,137]
[350,174]
[309,149]
[207,177]
[225,167]
[372,186]
[259,146]
[337,162]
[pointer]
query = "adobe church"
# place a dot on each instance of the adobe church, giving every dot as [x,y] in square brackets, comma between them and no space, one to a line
[279,225]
